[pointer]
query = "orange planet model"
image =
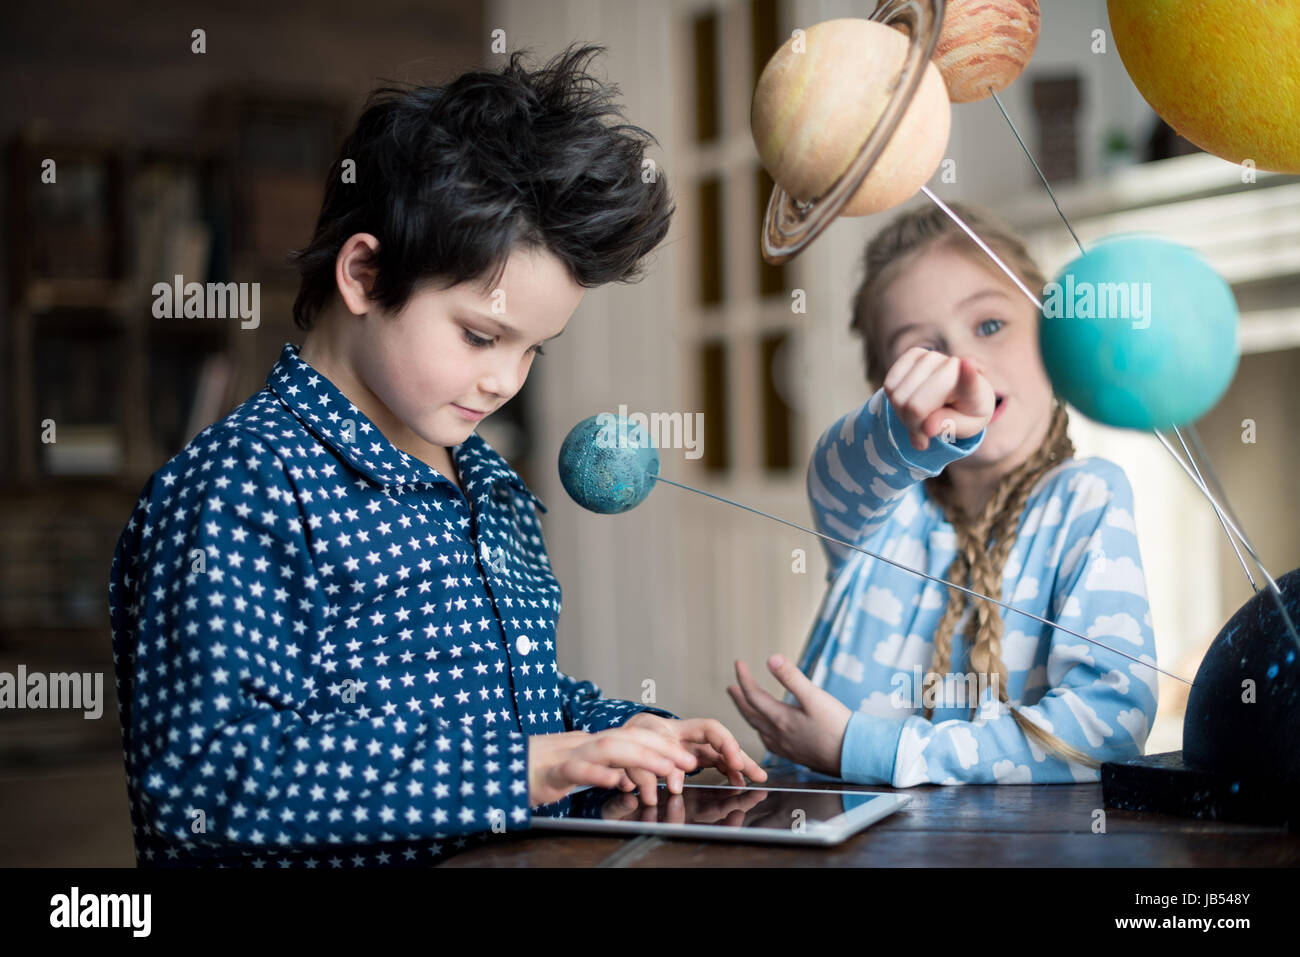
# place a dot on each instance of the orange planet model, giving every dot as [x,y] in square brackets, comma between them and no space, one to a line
[985,45]
[819,97]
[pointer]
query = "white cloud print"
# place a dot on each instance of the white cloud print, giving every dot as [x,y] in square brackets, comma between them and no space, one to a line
[1026,589]
[1063,657]
[906,510]
[932,597]
[897,652]
[839,474]
[1018,650]
[1146,673]
[1090,491]
[881,704]
[883,490]
[1119,625]
[1119,574]
[882,603]
[1134,721]
[942,540]
[965,747]
[1008,772]
[874,459]
[1094,728]
[1121,518]
[821,495]
[847,666]
[906,550]
[1068,561]
[1115,679]
[1044,514]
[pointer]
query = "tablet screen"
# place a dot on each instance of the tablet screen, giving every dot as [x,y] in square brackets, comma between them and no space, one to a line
[753,807]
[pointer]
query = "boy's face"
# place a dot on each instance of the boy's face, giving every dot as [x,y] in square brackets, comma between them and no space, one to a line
[956,306]
[451,357]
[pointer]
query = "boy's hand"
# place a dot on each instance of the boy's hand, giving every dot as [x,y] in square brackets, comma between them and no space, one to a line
[557,763]
[709,740]
[935,393]
[811,733]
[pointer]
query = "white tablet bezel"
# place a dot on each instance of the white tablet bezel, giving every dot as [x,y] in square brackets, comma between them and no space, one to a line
[832,831]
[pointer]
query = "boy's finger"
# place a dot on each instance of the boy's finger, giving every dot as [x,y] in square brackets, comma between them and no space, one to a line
[675,781]
[577,771]
[623,754]
[709,756]
[716,736]
[752,769]
[657,741]
[647,785]
[736,766]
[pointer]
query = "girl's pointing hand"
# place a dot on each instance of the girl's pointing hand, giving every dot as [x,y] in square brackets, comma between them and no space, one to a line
[934,393]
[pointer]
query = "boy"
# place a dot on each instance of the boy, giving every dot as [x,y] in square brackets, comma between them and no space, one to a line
[333,614]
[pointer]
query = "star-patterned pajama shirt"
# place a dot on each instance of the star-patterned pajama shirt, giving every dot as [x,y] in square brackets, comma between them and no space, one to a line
[1075,561]
[327,655]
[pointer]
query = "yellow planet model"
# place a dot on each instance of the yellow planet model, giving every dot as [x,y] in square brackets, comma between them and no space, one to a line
[1224,74]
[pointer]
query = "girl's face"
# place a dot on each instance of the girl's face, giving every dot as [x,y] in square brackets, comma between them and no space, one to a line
[944,301]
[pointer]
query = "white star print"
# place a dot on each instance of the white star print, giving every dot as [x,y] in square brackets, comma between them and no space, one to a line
[283,515]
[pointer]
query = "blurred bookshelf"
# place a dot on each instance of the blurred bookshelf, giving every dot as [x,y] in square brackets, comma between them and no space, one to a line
[101,390]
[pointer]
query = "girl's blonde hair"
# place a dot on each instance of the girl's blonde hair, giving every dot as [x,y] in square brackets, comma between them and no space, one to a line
[983,541]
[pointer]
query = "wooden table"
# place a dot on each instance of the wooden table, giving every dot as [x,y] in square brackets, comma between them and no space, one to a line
[1042,825]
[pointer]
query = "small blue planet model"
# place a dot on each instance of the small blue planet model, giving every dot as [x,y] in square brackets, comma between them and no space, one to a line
[608,464]
[1139,333]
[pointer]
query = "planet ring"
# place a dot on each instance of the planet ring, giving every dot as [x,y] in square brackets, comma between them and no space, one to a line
[789,224]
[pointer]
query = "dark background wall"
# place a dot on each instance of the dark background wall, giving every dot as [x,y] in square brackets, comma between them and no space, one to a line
[124,74]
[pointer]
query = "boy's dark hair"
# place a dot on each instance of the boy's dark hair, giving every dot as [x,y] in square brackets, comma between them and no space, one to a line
[450,178]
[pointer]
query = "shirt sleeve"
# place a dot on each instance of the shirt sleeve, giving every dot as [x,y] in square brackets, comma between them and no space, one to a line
[1099,702]
[241,734]
[586,710]
[862,467]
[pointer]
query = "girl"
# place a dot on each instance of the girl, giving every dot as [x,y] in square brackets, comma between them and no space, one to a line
[959,465]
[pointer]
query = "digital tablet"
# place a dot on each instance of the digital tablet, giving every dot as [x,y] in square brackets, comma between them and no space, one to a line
[724,812]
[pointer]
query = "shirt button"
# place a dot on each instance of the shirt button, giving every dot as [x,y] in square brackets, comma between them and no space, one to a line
[523,645]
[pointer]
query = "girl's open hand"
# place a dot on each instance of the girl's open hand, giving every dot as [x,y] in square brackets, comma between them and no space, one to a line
[934,393]
[810,733]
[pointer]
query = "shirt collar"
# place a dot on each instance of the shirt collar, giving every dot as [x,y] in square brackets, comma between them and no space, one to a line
[330,415]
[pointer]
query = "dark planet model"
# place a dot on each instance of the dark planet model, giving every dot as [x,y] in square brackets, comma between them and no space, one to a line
[1241,732]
